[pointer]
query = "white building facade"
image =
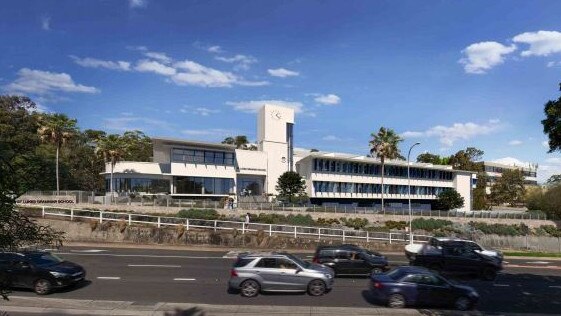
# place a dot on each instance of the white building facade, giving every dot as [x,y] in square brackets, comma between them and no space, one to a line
[194,169]
[495,170]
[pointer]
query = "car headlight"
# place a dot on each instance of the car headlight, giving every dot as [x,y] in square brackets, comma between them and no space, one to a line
[329,276]
[58,274]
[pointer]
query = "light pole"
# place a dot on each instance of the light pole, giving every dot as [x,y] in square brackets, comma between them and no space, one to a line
[409,195]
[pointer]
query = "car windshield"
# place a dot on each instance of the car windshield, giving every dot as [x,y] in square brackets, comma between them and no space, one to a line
[372,253]
[299,261]
[396,274]
[44,259]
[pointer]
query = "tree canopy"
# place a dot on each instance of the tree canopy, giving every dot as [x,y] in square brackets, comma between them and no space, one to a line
[433,159]
[240,142]
[552,124]
[449,199]
[509,188]
[291,187]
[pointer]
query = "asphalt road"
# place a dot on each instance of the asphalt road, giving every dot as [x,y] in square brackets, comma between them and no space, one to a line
[148,276]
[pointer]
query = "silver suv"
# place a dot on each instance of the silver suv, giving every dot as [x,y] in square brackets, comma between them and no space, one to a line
[278,272]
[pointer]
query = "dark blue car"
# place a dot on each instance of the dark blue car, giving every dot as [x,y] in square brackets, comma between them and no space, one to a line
[417,286]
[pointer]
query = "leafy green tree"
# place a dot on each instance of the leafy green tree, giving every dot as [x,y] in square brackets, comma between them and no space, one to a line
[139,146]
[554,180]
[449,199]
[291,187]
[552,123]
[509,188]
[57,129]
[551,202]
[434,159]
[385,145]
[480,200]
[240,142]
[113,149]
[16,229]
[468,159]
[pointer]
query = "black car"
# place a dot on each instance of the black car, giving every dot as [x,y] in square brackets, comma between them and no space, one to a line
[460,261]
[351,260]
[417,286]
[38,270]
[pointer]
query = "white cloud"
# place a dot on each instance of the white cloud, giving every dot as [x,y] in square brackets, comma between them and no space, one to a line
[243,62]
[208,132]
[552,64]
[254,106]
[155,67]
[282,72]
[98,63]
[215,49]
[203,111]
[331,138]
[328,99]
[515,142]
[195,74]
[129,123]
[46,23]
[553,161]
[545,144]
[162,57]
[483,56]
[138,3]
[448,135]
[44,82]
[511,161]
[542,43]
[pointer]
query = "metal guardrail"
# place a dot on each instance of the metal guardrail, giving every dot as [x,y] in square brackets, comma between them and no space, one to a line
[188,223]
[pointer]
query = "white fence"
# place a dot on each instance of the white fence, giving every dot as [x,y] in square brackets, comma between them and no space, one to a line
[216,225]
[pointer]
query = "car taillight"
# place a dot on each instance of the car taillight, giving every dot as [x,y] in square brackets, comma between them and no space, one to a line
[315,260]
[377,285]
[233,273]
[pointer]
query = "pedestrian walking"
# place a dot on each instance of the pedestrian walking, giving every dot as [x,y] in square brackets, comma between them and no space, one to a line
[247,218]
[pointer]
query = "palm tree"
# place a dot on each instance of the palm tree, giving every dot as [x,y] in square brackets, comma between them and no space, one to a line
[385,145]
[57,129]
[112,148]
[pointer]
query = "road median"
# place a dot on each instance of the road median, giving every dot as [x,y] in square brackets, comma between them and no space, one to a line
[35,305]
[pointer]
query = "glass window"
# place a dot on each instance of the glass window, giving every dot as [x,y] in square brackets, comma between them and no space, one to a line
[209,185]
[286,264]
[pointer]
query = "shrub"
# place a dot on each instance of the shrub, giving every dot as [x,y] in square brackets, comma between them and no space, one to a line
[430,224]
[501,229]
[209,214]
[551,230]
[356,223]
[399,225]
[327,221]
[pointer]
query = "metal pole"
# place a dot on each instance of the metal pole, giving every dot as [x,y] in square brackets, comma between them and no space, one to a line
[409,195]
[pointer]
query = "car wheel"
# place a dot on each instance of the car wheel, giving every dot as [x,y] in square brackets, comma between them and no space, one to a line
[462,304]
[489,274]
[42,287]
[249,288]
[316,288]
[396,301]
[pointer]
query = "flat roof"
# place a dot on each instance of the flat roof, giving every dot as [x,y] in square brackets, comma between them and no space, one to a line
[500,165]
[365,159]
[195,143]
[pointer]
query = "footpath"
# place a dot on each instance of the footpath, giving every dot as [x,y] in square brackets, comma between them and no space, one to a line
[20,305]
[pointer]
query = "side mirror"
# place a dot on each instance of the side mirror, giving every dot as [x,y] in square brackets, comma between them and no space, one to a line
[298,270]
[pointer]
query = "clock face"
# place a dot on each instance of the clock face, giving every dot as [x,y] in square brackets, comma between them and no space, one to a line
[276,115]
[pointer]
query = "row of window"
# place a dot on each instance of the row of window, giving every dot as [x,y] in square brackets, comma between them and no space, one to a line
[203,185]
[373,188]
[501,170]
[138,185]
[202,156]
[327,165]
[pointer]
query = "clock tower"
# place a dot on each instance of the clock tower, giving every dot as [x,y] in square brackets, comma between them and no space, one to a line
[275,138]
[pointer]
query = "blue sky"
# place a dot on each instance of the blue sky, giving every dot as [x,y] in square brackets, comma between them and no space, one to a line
[449,74]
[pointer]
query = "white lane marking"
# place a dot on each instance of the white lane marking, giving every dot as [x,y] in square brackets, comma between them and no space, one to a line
[155,265]
[232,254]
[501,285]
[138,256]
[88,251]
[555,286]
[184,279]
[109,278]
[538,262]
[506,262]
